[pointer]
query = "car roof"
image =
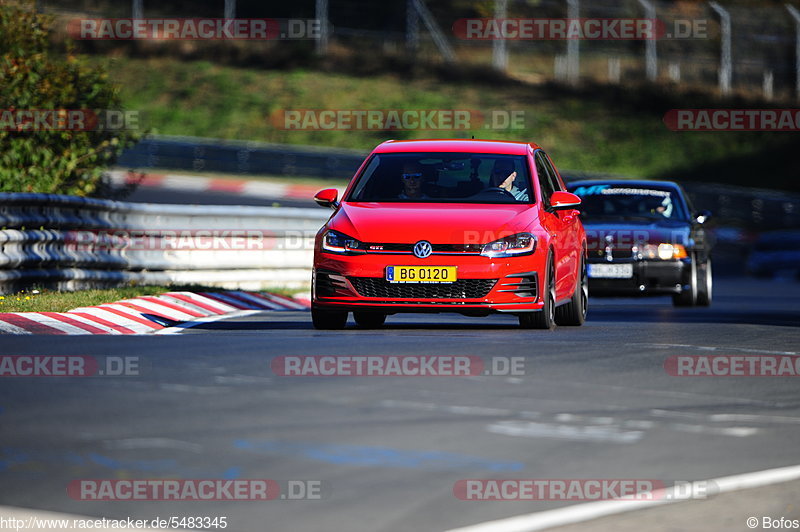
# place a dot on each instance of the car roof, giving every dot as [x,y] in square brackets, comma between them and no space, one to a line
[624,182]
[500,147]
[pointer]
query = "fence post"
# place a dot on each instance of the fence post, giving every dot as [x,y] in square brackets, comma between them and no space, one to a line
[650,53]
[560,67]
[768,84]
[614,69]
[322,17]
[137,11]
[230,8]
[499,50]
[725,62]
[796,16]
[412,28]
[573,45]
[438,37]
[674,72]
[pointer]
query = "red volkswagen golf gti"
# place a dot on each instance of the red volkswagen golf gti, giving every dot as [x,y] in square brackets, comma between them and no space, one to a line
[467,226]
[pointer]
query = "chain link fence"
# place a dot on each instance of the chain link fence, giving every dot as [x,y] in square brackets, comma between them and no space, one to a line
[747,50]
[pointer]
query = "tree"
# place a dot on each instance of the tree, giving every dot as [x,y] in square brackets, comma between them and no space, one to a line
[41,78]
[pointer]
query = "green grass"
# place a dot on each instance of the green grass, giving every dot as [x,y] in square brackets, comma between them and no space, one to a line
[54,301]
[597,128]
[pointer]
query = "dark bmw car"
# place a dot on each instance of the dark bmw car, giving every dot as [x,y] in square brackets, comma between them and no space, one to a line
[645,238]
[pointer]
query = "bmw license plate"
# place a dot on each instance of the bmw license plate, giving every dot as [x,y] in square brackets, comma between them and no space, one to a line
[421,274]
[611,271]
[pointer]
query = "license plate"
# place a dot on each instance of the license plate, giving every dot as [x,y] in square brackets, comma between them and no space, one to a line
[421,274]
[611,271]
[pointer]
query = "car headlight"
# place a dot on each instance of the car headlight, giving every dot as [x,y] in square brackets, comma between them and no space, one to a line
[336,242]
[510,246]
[664,251]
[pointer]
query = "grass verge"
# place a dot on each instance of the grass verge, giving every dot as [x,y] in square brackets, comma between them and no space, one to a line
[599,128]
[54,301]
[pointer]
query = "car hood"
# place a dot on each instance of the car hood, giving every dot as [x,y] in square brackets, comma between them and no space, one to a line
[438,223]
[627,233]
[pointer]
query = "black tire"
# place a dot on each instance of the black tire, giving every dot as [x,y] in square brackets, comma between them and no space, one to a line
[545,318]
[328,319]
[574,312]
[369,320]
[705,284]
[688,298]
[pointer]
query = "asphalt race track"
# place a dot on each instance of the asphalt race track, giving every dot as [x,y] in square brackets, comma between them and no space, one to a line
[596,402]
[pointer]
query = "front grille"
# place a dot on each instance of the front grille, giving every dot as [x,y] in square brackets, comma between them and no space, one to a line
[461,289]
[437,248]
[616,253]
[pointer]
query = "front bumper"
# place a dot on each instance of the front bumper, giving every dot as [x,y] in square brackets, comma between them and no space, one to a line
[484,284]
[650,277]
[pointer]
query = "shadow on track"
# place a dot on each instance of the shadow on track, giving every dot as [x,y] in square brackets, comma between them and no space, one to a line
[743,315]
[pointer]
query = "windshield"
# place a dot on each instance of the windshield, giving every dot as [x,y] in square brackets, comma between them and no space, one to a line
[621,201]
[444,177]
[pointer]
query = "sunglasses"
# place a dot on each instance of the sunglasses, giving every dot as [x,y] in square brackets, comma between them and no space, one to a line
[412,176]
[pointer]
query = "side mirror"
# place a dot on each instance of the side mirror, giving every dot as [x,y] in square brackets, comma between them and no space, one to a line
[564,200]
[327,198]
[702,217]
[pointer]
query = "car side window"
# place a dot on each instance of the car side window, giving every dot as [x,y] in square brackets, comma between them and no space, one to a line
[545,180]
[553,173]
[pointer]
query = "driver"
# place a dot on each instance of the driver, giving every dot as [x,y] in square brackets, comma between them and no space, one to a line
[665,209]
[412,181]
[503,176]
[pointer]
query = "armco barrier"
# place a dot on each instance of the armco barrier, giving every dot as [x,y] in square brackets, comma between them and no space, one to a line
[754,209]
[67,242]
[241,157]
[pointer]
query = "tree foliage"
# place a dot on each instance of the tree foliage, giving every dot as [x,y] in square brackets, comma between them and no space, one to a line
[37,75]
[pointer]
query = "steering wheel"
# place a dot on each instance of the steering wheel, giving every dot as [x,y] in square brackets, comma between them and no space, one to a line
[494,191]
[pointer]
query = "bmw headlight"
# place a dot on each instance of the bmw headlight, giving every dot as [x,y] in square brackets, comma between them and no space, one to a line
[336,242]
[510,246]
[664,251]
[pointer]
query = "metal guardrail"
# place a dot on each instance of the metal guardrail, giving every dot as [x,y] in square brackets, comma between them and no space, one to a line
[244,157]
[755,209]
[69,243]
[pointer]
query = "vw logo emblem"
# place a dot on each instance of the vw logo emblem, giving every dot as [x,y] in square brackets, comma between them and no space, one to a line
[422,249]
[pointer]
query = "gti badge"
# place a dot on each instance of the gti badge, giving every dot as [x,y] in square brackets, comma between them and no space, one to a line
[422,249]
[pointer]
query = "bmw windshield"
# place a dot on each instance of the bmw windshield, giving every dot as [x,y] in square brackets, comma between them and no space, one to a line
[606,201]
